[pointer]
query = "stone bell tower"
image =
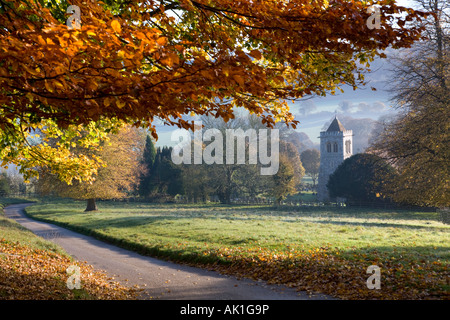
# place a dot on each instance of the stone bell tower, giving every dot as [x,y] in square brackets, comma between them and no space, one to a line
[336,145]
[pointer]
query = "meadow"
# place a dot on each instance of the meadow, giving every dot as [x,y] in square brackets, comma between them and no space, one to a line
[317,249]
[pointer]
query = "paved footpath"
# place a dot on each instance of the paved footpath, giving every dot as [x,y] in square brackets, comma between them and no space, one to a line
[159,279]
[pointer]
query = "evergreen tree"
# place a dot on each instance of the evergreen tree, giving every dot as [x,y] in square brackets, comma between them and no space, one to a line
[164,177]
[149,152]
[4,185]
[148,161]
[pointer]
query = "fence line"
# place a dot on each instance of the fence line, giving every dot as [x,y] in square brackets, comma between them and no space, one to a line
[376,205]
[445,214]
[21,195]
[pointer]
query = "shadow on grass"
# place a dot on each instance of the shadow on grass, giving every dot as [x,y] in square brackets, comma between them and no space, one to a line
[383,225]
[12,225]
[135,221]
[304,210]
[148,217]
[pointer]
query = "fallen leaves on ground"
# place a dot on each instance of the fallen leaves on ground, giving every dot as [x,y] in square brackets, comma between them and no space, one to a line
[339,274]
[27,273]
[35,274]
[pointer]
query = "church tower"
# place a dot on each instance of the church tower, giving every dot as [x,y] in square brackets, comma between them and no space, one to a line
[336,145]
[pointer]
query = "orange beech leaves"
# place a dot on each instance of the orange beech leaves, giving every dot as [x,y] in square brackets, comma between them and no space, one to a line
[338,273]
[36,274]
[137,61]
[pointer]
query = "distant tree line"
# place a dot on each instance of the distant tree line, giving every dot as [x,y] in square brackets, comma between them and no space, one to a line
[12,183]
[163,179]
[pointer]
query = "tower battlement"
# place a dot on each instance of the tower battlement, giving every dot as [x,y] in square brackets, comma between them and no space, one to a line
[336,133]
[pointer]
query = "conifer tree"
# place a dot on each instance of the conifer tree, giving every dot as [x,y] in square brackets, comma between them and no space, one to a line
[148,161]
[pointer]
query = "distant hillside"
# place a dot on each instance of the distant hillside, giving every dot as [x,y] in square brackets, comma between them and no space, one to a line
[301,141]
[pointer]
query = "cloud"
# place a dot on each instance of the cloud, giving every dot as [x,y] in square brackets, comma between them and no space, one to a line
[307,107]
[349,107]
[376,106]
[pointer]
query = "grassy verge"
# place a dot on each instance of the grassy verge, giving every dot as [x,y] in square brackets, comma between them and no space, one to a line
[325,250]
[32,268]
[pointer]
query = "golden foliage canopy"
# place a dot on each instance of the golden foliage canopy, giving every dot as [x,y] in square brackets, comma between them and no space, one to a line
[136,60]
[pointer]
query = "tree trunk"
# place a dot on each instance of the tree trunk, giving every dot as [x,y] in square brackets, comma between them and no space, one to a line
[278,201]
[91,205]
[225,196]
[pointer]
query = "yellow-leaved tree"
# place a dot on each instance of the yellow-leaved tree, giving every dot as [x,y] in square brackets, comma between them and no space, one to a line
[121,155]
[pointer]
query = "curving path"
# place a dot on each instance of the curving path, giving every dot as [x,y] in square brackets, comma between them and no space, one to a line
[159,279]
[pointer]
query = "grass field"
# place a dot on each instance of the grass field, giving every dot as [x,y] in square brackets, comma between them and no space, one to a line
[14,232]
[310,248]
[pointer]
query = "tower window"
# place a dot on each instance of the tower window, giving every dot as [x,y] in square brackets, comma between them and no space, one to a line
[335,147]
[348,146]
[328,147]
